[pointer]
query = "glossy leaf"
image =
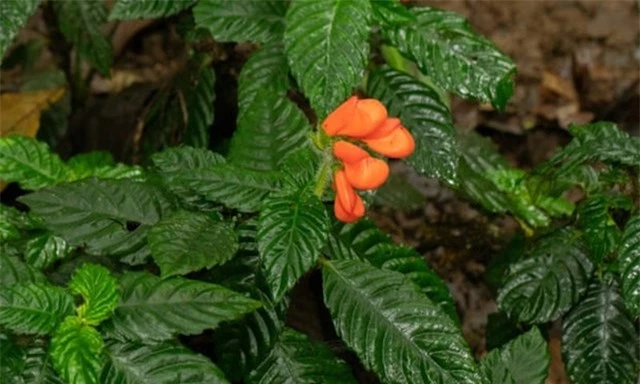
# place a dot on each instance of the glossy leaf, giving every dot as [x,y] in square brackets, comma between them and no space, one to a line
[599,341]
[241,21]
[188,242]
[29,162]
[393,328]
[200,109]
[75,351]
[13,15]
[44,249]
[162,363]
[327,44]
[33,308]
[629,256]
[292,230]
[147,9]
[181,159]
[391,12]
[16,271]
[101,165]
[600,231]
[37,367]
[99,291]
[154,309]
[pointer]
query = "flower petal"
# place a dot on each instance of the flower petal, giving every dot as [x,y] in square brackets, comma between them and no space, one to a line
[344,191]
[349,153]
[398,144]
[384,129]
[368,173]
[340,116]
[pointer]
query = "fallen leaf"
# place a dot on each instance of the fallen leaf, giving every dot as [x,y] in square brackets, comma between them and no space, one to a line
[20,112]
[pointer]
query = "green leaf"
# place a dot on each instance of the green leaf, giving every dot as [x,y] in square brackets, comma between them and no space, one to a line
[599,341]
[429,120]
[299,169]
[44,249]
[601,234]
[398,193]
[30,163]
[267,68]
[147,9]
[106,217]
[13,15]
[101,165]
[454,56]
[188,242]
[629,256]
[393,328]
[327,44]
[81,23]
[296,359]
[33,308]
[154,309]
[524,360]
[184,159]
[292,230]
[391,12]
[548,281]
[200,101]
[162,363]
[99,291]
[76,350]
[37,367]
[241,21]
[271,128]
[16,271]
[500,330]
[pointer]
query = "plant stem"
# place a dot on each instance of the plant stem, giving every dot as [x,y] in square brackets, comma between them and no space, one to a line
[322,177]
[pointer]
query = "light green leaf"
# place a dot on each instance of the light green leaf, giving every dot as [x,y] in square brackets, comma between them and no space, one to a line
[101,165]
[99,291]
[29,162]
[327,44]
[292,230]
[76,350]
[524,360]
[429,120]
[454,56]
[188,242]
[13,15]
[147,9]
[599,341]
[16,271]
[44,249]
[629,256]
[106,217]
[162,363]
[549,281]
[33,308]
[393,328]
[297,360]
[241,21]
[391,12]
[81,23]
[154,309]
[200,101]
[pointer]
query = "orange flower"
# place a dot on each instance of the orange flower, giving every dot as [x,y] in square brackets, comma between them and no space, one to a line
[391,139]
[348,206]
[355,118]
[362,170]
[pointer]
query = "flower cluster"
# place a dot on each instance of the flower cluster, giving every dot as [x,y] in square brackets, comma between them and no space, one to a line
[365,121]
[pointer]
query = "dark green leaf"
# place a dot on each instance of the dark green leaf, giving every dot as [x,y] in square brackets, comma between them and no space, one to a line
[44,249]
[147,9]
[391,12]
[297,360]
[300,168]
[398,193]
[188,242]
[99,291]
[37,367]
[599,341]
[327,44]
[601,233]
[13,15]
[162,363]
[395,330]
[291,233]
[499,264]
[429,120]
[549,281]
[153,309]
[200,111]
[241,21]
[15,271]
[33,307]
[454,56]
[101,165]
[629,256]
[76,350]
[185,159]
[30,163]
[500,330]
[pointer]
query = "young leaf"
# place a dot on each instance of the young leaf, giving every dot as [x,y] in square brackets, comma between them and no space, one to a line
[147,9]
[599,341]
[162,363]
[296,359]
[327,56]
[271,128]
[81,23]
[629,256]
[13,15]
[200,111]
[549,281]
[153,309]
[292,230]
[76,350]
[429,120]
[30,163]
[44,249]
[99,291]
[456,58]
[188,242]
[395,330]
[16,271]
[105,216]
[522,360]
[33,308]
[241,21]
[601,233]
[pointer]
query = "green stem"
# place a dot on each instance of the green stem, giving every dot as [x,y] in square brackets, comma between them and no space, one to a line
[322,177]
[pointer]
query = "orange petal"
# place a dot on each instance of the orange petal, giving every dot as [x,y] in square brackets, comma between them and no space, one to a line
[368,173]
[398,144]
[347,152]
[346,215]
[340,116]
[384,129]
[344,191]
